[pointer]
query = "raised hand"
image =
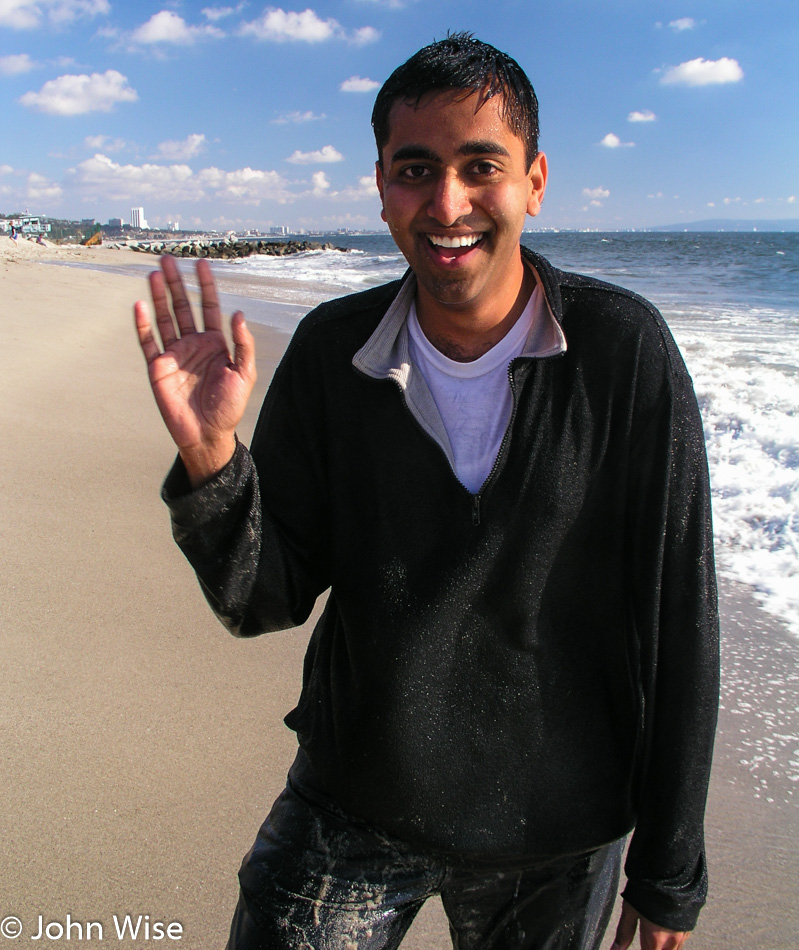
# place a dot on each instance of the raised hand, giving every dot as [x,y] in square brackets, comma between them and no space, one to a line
[200,391]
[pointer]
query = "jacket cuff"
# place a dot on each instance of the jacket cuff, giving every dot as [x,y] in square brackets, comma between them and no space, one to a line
[196,507]
[675,908]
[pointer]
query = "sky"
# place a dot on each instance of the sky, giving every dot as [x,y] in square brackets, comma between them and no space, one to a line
[233,116]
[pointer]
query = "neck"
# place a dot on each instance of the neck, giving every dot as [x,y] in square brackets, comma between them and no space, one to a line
[465,334]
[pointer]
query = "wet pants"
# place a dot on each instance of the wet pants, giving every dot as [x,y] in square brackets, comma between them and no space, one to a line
[316,879]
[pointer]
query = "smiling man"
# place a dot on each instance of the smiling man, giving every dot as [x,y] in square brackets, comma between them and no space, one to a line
[497,469]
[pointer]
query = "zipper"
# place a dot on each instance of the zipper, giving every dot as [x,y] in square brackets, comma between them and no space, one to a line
[476,499]
[476,509]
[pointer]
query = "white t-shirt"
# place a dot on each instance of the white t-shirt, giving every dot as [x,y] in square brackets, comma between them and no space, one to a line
[474,399]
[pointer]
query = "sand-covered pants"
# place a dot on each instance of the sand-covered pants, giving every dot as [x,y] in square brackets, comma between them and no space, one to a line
[316,879]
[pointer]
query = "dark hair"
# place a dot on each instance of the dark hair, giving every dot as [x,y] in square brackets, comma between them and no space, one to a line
[462,62]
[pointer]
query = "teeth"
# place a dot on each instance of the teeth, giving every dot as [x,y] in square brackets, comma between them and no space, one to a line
[467,240]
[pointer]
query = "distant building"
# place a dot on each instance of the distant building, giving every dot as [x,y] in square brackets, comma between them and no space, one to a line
[282,229]
[115,223]
[29,224]
[137,219]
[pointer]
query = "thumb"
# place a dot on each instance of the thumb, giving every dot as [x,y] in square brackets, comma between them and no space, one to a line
[628,924]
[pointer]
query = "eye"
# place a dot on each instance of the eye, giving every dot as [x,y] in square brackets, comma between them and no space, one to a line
[485,169]
[414,172]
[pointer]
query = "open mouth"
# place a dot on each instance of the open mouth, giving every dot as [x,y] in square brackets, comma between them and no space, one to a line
[448,248]
[459,241]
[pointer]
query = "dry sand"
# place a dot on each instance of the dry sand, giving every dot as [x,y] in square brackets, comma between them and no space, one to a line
[142,745]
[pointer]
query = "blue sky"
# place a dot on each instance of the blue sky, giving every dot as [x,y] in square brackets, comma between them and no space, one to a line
[222,115]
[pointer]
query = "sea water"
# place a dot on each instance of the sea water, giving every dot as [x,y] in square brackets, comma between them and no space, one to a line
[732,303]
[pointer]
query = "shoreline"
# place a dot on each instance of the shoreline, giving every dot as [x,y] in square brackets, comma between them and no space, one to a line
[144,745]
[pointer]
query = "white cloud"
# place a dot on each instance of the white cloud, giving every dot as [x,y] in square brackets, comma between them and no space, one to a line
[611,140]
[711,204]
[684,23]
[41,189]
[76,95]
[99,176]
[103,177]
[356,84]
[325,155]
[645,115]
[168,27]
[297,118]
[102,143]
[792,200]
[184,150]
[249,185]
[596,193]
[365,35]
[30,14]
[364,190]
[320,182]
[732,201]
[703,72]
[279,26]
[17,64]
[220,13]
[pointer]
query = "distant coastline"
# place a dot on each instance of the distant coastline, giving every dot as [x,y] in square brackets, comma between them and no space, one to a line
[727,225]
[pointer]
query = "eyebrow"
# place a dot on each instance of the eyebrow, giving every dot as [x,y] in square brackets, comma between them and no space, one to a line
[477,147]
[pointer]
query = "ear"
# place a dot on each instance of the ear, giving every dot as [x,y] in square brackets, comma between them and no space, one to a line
[379,180]
[538,182]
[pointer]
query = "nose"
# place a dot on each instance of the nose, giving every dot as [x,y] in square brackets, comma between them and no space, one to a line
[450,199]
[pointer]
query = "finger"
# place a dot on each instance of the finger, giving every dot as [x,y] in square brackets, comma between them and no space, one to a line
[180,302]
[163,315]
[144,329]
[625,932]
[212,316]
[243,347]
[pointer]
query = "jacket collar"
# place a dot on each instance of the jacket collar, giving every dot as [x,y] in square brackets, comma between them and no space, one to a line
[386,354]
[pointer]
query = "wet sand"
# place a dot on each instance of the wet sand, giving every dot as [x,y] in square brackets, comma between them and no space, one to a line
[142,745]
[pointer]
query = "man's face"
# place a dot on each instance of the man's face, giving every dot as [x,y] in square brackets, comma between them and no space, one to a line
[455,188]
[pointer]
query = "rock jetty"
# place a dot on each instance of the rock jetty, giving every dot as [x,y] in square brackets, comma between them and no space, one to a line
[228,248]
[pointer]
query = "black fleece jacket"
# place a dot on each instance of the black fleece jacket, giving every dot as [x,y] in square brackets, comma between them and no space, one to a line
[526,672]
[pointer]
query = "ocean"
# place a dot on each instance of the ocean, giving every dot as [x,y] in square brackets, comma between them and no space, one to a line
[732,303]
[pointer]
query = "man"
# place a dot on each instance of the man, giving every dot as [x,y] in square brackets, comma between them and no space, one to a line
[498,470]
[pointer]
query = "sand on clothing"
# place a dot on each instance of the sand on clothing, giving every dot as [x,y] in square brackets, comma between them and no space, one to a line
[142,745]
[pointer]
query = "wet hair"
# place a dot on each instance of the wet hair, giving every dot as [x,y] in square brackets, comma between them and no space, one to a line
[460,62]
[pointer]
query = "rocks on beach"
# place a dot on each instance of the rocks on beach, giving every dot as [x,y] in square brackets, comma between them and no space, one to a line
[228,249]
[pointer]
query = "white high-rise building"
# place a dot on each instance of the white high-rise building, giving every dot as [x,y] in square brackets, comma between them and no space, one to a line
[137,219]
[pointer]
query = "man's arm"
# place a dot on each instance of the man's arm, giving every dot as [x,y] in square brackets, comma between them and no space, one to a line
[676,620]
[259,572]
[200,391]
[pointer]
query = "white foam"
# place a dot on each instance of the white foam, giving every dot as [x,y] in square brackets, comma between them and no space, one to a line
[746,375]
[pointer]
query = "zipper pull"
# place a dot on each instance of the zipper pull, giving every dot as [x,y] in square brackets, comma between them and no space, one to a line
[476,510]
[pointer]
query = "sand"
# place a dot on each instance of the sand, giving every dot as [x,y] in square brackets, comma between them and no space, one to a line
[142,745]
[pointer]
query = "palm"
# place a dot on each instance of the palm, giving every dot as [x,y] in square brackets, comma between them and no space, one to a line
[200,391]
[197,388]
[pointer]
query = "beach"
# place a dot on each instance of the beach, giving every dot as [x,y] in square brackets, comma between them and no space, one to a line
[142,745]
